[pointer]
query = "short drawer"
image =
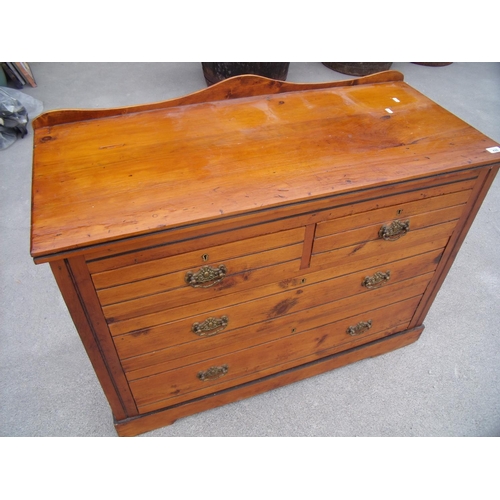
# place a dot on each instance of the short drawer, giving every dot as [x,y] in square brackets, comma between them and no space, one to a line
[368,244]
[171,269]
[198,379]
[240,274]
[389,231]
[401,209]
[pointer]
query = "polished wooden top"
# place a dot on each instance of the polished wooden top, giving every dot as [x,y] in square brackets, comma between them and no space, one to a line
[99,178]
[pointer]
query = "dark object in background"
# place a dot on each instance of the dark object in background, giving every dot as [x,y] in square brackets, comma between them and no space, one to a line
[433,64]
[217,71]
[12,77]
[358,68]
[13,119]
[18,73]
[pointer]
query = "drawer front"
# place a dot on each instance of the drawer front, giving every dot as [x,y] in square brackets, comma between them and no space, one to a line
[176,266]
[240,274]
[266,319]
[148,287]
[198,379]
[401,210]
[330,251]
[390,232]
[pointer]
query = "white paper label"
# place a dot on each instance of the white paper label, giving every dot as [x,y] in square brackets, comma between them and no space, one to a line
[495,149]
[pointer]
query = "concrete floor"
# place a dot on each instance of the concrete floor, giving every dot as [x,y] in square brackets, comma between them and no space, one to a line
[446,384]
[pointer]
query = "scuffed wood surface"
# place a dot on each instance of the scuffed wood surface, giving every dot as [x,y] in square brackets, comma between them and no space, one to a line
[232,88]
[102,180]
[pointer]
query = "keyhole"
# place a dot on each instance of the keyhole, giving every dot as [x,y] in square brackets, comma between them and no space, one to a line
[400,211]
[204,257]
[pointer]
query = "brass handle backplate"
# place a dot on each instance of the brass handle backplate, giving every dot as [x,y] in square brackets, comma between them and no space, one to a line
[377,280]
[206,277]
[394,230]
[361,327]
[213,373]
[211,326]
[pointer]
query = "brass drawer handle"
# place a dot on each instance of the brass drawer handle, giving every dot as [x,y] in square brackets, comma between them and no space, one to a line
[377,280]
[394,230]
[211,326]
[206,277]
[361,327]
[213,373]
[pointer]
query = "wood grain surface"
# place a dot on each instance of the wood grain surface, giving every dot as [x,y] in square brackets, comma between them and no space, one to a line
[104,179]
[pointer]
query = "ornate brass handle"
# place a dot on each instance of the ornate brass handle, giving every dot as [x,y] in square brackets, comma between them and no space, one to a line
[213,373]
[206,277]
[394,230]
[211,326]
[377,280]
[361,327]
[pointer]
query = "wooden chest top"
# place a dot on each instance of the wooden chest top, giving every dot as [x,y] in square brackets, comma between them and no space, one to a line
[100,178]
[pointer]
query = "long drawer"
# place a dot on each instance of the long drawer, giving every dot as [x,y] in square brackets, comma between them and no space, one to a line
[256,321]
[201,378]
[271,329]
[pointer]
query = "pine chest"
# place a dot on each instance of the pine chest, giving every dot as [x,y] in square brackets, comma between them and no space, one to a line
[252,234]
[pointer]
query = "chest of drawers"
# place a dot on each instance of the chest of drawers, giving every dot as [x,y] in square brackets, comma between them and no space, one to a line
[222,244]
